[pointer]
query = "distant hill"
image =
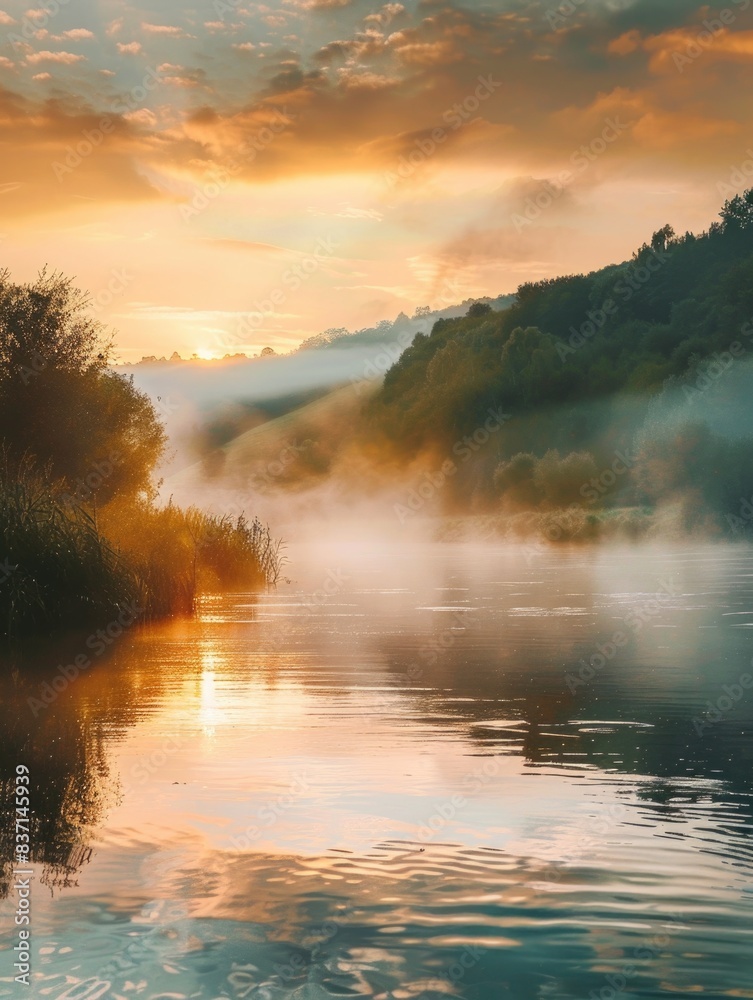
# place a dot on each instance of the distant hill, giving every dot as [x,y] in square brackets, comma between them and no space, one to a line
[390,332]
[205,404]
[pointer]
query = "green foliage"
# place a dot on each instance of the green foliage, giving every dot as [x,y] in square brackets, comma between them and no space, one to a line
[626,327]
[60,403]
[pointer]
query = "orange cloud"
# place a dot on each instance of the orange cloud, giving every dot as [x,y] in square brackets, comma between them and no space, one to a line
[65,58]
[34,137]
[625,44]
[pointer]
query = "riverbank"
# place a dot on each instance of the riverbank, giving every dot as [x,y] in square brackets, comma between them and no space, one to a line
[66,567]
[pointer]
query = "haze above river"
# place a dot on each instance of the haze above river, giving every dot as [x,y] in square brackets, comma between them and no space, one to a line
[413,771]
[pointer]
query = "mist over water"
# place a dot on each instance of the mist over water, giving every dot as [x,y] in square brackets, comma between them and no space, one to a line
[414,770]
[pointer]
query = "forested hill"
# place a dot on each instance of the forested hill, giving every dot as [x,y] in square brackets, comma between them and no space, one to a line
[623,397]
[626,327]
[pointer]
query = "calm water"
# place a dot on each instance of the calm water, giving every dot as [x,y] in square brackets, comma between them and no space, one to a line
[399,777]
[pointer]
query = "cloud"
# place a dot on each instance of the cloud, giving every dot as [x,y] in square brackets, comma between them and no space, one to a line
[64,58]
[164,29]
[672,51]
[438,53]
[77,34]
[73,34]
[350,212]
[180,80]
[5,18]
[321,4]
[374,94]
[35,134]
[386,15]
[141,117]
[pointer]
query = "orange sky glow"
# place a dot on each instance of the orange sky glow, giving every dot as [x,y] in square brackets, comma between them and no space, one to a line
[329,163]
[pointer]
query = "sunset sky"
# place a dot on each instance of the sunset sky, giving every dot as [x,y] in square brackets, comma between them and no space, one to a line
[333,162]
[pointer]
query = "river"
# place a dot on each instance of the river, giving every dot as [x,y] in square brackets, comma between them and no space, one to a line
[413,771]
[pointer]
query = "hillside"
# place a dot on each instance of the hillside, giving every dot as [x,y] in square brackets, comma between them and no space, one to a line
[626,388]
[613,402]
[623,328]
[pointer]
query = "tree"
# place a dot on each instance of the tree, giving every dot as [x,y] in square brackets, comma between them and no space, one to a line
[737,212]
[479,309]
[60,402]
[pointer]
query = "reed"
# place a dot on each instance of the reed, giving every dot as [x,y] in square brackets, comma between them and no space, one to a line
[56,568]
[63,567]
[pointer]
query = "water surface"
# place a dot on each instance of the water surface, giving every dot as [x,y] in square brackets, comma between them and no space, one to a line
[413,771]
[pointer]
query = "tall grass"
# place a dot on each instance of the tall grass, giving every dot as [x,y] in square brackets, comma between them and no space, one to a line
[179,554]
[62,568]
[56,570]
